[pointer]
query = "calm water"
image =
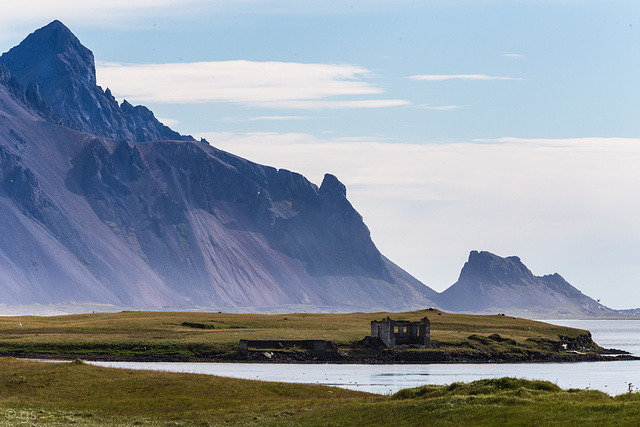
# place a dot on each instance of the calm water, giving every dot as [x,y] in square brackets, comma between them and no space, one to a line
[610,377]
[620,334]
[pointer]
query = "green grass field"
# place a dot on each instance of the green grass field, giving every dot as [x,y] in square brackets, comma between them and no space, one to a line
[62,394]
[207,335]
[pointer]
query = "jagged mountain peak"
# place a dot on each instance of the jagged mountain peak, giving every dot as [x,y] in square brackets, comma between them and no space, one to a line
[51,52]
[490,283]
[332,185]
[54,38]
[55,65]
[485,267]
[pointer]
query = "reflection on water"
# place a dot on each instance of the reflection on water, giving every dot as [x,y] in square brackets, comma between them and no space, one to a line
[611,377]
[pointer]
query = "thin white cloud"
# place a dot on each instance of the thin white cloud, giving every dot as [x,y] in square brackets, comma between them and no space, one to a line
[278,118]
[513,55]
[264,84]
[609,143]
[37,9]
[20,18]
[439,108]
[310,105]
[443,77]
[168,121]
[360,160]
[266,118]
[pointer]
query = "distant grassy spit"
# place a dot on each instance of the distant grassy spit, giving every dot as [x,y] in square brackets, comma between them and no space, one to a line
[197,336]
[61,394]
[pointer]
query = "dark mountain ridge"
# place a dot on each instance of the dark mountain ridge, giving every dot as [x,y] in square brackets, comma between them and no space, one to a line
[59,78]
[489,283]
[103,205]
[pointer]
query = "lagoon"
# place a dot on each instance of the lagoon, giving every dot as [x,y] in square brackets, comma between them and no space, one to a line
[615,377]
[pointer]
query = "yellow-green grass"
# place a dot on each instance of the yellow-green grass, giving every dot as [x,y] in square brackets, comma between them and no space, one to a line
[75,393]
[200,334]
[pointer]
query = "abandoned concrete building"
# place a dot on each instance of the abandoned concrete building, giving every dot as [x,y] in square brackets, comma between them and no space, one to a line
[394,333]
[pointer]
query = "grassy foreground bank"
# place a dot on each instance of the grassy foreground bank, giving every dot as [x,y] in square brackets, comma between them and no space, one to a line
[61,394]
[215,336]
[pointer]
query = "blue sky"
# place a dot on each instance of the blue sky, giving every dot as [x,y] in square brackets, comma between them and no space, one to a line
[502,125]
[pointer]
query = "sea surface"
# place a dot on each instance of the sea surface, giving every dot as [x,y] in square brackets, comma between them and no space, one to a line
[615,377]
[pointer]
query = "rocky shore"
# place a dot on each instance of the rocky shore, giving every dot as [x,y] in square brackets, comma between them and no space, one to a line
[380,357]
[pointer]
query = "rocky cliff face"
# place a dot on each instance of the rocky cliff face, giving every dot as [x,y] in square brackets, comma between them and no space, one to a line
[57,74]
[489,283]
[100,204]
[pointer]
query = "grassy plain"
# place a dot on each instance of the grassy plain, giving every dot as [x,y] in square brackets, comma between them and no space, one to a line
[57,394]
[61,394]
[211,335]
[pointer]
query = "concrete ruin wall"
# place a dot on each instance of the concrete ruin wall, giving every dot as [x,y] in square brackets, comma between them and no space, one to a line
[395,333]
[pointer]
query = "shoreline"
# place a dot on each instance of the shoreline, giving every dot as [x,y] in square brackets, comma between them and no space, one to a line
[295,338]
[392,358]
